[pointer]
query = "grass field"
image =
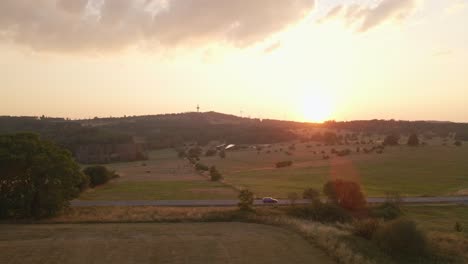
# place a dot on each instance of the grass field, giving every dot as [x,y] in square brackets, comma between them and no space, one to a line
[162,177]
[155,243]
[161,190]
[425,170]
[440,218]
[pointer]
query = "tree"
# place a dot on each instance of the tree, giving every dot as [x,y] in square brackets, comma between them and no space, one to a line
[346,194]
[194,152]
[246,199]
[222,154]
[215,175]
[311,194]
[99,175]
[391,140]
[413,140]
[37,178]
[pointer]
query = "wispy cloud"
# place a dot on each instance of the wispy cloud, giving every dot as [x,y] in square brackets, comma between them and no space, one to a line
[108,25]
[364,17]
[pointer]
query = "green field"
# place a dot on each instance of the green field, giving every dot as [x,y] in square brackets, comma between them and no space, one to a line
[155,243]
[440,218]
[161,190]
[419,171]
[162,177]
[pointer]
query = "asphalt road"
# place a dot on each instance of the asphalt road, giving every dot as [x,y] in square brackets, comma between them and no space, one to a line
[199,203]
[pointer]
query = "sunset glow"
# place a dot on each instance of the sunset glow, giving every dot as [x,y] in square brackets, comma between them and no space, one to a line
[117,58]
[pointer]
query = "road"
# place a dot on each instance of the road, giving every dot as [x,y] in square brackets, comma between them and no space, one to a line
[200,203]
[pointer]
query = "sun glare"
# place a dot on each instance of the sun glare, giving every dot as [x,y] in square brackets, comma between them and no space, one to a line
[317,108]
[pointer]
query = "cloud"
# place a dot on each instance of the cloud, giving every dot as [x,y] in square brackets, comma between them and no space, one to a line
[274,46]
[365,17]
[109,25]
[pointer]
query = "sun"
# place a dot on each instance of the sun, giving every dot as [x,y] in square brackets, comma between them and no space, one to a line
[317,108]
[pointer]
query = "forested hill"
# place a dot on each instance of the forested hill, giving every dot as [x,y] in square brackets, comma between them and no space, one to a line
[168,130]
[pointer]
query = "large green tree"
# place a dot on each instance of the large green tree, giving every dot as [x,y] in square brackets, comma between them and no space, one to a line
[37,178]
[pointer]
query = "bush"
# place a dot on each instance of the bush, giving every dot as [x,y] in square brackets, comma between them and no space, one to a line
[283,164]
[246,199]
[311,194]
[201,167]
[401,239]
[321,212]
[99,175]
[181,153]
[222,154]
[391,140]
[458,227]
[344,152]
[346,194]
[215,175]
[387,211]
[458,143]
[194,152]
[210,153]
[366,228]
[413,140]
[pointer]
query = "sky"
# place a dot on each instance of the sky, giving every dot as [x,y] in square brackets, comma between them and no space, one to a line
[301,60]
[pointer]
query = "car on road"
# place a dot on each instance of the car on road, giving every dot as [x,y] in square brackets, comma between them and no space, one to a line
[269,200]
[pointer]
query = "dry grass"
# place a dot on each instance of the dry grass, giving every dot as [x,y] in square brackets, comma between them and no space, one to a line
[135,214]
[336,240]
[327,237]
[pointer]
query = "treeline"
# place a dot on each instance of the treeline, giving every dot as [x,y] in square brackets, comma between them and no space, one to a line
[170,130]
[386,127]
[65,133]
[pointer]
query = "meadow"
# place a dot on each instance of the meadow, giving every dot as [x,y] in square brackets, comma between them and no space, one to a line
[412,171]
[155,243]
[162,177]
[430,170]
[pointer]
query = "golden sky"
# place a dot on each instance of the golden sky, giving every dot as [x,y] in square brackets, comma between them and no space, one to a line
[301,59]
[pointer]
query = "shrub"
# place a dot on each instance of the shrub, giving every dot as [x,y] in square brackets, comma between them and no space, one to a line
[99,175]
[458,143]
[181,153]
[387,211]
[201,167]
[321,212]
[401,239]
[391,140]
[346,194]
[246,199]
[366,228]
[311,194]
[210,152]
[413,140]
[344,152]
[215,175]
[222,154]
[283,164]
[194,152]
[458,227]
